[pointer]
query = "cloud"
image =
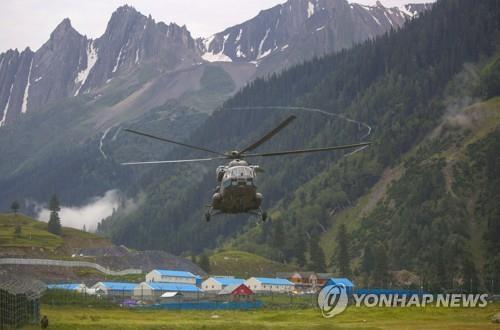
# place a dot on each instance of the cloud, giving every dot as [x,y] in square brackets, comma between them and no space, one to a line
[90,214]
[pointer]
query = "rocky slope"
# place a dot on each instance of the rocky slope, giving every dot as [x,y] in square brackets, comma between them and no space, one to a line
[168,62]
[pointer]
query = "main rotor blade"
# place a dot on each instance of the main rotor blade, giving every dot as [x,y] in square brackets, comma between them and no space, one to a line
[303,151]
[269,134]
[174,161]
[174,142]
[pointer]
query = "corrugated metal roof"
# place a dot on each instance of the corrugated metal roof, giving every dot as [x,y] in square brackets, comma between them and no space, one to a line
[123,286]
[176,273]
[173,287]
[229,280]
[65,286]
[273,281]
[343,281]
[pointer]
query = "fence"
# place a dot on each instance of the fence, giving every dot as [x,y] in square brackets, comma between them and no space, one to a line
[65,263]
[19,302]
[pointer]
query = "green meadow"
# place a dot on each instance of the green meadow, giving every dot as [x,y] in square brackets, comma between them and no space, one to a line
[67,317]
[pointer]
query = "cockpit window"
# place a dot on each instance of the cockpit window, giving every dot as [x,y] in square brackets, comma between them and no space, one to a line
[239,172]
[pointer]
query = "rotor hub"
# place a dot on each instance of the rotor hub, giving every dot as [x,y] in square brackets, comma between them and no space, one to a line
[235,154]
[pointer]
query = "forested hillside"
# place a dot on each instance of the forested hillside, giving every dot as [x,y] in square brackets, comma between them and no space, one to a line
[395,198]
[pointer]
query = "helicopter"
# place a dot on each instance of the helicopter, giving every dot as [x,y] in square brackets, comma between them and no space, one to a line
[236,191]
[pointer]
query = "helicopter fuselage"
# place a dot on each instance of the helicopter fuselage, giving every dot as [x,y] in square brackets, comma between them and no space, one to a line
[236,192]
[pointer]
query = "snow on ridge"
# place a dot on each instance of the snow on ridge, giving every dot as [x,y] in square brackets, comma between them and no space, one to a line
[385,14]
[6,109]
[376,20]
[91,61]
[310,9]
[219,57]
[206,42]
[118,60]
[24,105]
[216,57]
[405,11]
[260,54]
[238,38]
[137,55]
[239,53]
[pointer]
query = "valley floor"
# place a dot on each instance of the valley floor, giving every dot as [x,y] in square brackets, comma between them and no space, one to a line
[67,317]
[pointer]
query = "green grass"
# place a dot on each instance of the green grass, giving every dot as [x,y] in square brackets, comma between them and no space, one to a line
[244,264]
[68,317]
[34,234]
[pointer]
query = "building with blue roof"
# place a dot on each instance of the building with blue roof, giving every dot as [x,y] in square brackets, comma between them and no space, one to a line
[265,284]
[152,290]
[217,283]
[78,287]
[341,281]
[172,276]
[124,289]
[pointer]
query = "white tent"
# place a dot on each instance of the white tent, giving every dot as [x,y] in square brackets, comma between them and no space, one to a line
[171,294]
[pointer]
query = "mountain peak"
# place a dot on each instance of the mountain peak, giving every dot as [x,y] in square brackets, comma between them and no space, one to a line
[63,29]
[64,25]
[126,11]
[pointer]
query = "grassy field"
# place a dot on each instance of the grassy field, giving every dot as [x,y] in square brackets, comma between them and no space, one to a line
[244,264]
[34,234]
[353,318]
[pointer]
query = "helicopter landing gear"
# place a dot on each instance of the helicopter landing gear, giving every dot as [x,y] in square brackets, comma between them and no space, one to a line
[210,212]
[264,217]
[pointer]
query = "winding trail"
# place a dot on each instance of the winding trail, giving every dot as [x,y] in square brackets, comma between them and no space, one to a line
[323,112]
[101,143]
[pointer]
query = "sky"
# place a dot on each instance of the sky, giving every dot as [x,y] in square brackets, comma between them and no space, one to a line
[29,22]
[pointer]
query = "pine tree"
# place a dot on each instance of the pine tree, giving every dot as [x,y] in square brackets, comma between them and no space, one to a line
[278,234]
[204,262]
[15,207]
[54,225]
[316,254]
[368,261]
[343,252]
[300,247]
[380,273]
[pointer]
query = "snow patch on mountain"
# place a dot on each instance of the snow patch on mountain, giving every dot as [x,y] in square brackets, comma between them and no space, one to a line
[91,61]
[260,54]
[117,61]
[24,105]
[310,9]
[6,109]
[215,57]
[404,10]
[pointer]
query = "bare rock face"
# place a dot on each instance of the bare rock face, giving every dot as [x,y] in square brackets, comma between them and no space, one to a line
[14,74]
[69,64]
[301,29]
[132,39]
